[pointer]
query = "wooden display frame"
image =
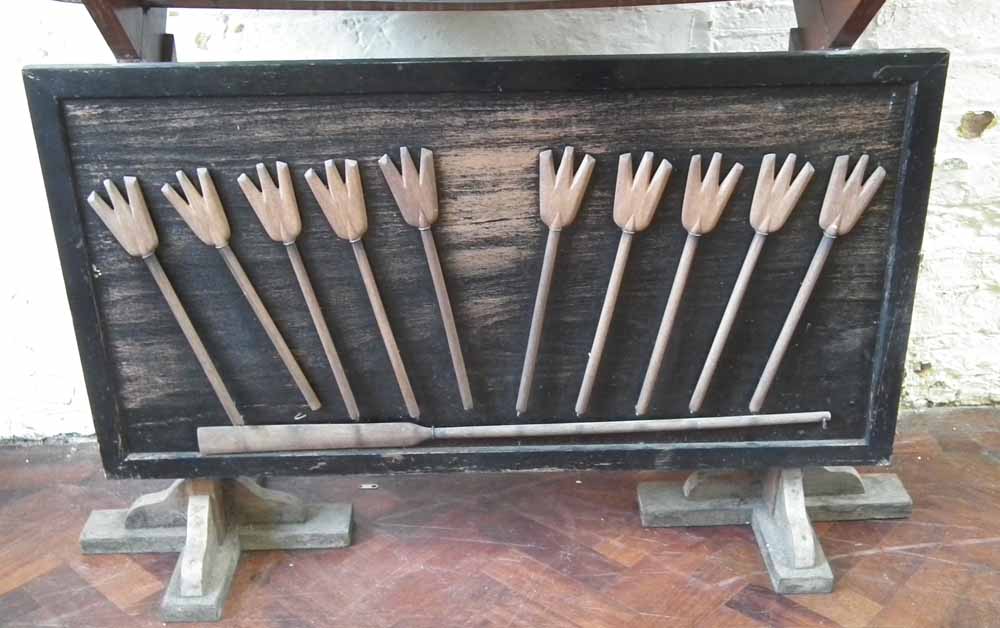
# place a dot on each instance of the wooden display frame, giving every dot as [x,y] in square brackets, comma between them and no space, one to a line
[911,81]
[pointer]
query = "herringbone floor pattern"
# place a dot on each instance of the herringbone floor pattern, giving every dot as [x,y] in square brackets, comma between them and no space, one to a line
[529,550]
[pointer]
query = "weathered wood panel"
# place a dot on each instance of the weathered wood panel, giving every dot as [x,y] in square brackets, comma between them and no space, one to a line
[491,242]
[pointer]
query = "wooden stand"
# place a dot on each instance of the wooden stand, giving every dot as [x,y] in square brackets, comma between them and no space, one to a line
[209,522]
[779,504]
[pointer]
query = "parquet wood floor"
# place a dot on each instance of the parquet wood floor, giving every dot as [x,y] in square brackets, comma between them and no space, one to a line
[529,550]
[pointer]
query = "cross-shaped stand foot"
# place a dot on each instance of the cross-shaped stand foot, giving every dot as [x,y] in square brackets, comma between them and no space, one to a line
[780,505]
[209,522]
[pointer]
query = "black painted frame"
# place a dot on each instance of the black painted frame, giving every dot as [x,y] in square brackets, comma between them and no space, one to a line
[923,71]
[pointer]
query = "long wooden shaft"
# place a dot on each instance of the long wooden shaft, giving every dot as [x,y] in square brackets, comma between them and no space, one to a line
[325,339]
[385,329]
[447,317]
[537,321]
[791,322]
[200,352]
[666,325]
[261,438]
[246,287]
[604,323]
[728,318]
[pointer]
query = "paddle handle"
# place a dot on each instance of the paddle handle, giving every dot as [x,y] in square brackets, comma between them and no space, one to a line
[261,438]
[382,319]
[323,330]
[200,352]
[447,317]
[726,325]
[537,321]
[791,322]
[260,311]
[666,324]
[604,323]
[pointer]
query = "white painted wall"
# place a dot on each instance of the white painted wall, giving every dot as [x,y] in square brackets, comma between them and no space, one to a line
[955,347]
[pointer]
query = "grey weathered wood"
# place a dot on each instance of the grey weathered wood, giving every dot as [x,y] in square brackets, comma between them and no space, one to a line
[779,504]
[263,438]
[209,523]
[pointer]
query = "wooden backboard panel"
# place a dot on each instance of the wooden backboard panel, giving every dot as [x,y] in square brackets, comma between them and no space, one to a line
[486,121]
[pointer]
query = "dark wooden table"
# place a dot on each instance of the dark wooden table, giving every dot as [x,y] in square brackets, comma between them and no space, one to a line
[135,30]
[532,550]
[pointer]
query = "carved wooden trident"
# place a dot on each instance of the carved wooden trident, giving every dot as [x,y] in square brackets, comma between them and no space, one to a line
[416,196]
[278,212]
[846,199]
[204,214]
[636,199]
[704,200]
[130,224]
[559,196]
[773,201]
[344,208]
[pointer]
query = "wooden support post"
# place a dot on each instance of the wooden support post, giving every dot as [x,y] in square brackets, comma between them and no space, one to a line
[780,504]
[134,33]
[831,23]
[210,522]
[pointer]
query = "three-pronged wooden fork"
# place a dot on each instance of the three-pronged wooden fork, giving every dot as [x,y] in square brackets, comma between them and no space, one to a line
[278,212]
[636,199]
[343,204]
[560,194]
[846,199]
[416,196]
[704,200]
[773,201]
[130,224]
[204,214]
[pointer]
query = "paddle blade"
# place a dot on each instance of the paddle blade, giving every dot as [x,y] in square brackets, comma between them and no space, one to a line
[704,199]
[202,211]
[848,197]
[275,206]
[415,191]
[637,196]
[342,200]
[128,221]
[560,193]
[775,197]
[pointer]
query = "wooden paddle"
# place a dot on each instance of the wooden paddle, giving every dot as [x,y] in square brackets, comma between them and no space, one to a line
[773,201]
[704,200]
[416,196]
[560,194]
[278,212]
[846,199]
[636,199]
[344,208]
[298,437]
[204,214]
[130,224]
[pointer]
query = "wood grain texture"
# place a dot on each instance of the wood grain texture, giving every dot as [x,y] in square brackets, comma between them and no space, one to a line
[486,142]
[489,235]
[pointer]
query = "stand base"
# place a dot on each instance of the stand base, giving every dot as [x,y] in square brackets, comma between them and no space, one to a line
[210,522]
[779,504]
